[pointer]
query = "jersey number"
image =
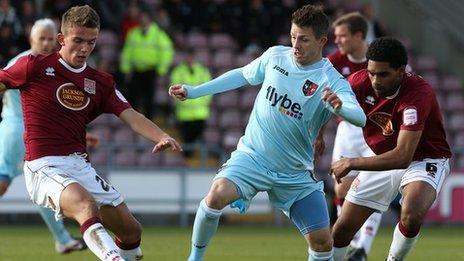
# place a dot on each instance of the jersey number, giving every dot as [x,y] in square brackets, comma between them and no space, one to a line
[103,183]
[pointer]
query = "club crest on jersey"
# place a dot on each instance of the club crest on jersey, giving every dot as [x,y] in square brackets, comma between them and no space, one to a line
[71,97]
[309,88]
[383,120]
[50,71]
[89,86]
[370,100]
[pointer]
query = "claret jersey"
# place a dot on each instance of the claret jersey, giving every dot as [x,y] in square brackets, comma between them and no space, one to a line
[58,101]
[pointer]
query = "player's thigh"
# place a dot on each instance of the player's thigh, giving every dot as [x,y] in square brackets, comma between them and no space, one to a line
[77,203]
[120,221]
[310,215]
[4,184]
[375,189]
[418,197]
[247,176]
[342,188]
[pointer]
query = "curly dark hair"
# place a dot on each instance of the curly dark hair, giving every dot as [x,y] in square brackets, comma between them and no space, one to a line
[388,49]
[314,17]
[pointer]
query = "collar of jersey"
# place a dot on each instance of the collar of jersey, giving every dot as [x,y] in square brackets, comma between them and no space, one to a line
[316,65]
[74,70]
[393,95]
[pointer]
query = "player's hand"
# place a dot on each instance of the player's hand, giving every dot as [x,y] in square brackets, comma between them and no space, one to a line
[319,146]
[340,168]
[92,140]
[167,142]
[178,91]
[331,98]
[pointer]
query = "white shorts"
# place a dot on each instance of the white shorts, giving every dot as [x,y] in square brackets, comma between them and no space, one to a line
[349,143]
[376,189]
[47,177]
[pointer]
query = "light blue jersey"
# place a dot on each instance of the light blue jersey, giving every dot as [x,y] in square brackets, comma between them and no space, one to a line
[11,132]
[12,98]
[288,111]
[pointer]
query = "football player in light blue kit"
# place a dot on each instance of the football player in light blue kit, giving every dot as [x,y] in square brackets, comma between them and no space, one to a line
[300,92]
[42,40]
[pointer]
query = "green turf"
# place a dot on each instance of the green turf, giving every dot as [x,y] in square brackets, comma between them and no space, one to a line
[231,243]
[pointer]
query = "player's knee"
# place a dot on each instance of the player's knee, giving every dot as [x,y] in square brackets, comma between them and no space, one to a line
[321,244]
[220,194]
[412,220]
[133,231]
[215,201]
[3,187]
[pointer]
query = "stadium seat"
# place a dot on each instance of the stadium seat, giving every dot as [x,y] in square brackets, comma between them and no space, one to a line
[148,159]
[125,157]
[178,58]
[197,40]
[227,100]
[247,98]
[212,120]
[230,119]
[456,121]
[103,133]
[99,157]
[458,140]
[230,139]
[172,160]
[105,38]
[203,56]
[452,83]
[455,102]
[212,136]
[243,59]
[222,41]
[425,64]
[123,135]
[223,59]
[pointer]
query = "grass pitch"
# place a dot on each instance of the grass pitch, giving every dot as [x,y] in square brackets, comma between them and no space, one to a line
[230,243]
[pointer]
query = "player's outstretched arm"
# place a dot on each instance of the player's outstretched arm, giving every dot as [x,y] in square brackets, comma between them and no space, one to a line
[398,158]
[228,81]
[149,130]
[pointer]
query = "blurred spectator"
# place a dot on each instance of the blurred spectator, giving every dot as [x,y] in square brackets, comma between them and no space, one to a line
[7,42]
[374,28]
[8,15]
[147,54]
[131,18]
[191,115]
[28,14]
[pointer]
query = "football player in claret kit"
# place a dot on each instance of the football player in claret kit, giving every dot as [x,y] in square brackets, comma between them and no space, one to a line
[405,131]
[300,91]
[61,94]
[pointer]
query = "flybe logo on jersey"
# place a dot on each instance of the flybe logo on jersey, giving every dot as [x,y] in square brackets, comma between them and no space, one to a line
[285,104]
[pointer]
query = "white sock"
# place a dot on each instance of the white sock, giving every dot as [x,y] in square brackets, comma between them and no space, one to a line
[401,245]
[367,232]
[132,255]
[339,253]
[100,243]
[320,256]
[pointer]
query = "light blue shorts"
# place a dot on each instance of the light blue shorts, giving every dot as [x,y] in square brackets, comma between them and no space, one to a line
[11,148]
[251,176]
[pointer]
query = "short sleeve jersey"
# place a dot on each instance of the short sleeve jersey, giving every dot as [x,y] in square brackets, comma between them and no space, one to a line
[288,111]
[58,101]
[344,65]
[414,107]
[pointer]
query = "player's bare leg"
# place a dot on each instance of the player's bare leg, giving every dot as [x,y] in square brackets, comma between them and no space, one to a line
[3,187]
[221,193]
[320,244]
[348,223]
[418,197]
[362,240]
[77,203]
[126,228]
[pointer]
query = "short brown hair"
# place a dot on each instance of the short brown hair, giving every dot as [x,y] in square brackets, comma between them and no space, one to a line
[82,16]
[355,22]
[314,17]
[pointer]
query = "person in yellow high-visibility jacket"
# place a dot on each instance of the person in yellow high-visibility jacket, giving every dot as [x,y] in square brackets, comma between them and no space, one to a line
[191,115]
[147,54]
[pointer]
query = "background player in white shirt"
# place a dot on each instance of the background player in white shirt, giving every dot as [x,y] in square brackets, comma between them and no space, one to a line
[350,38]
[300,92]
